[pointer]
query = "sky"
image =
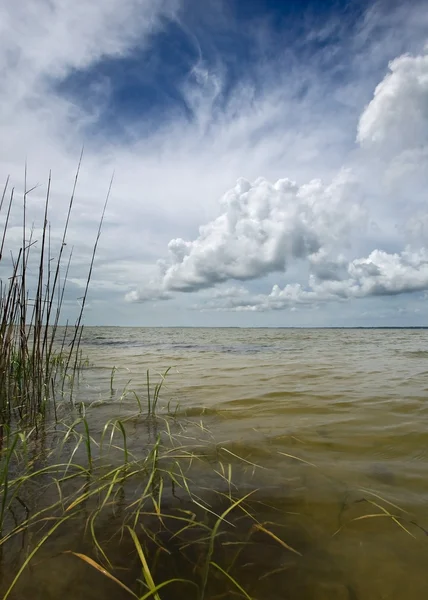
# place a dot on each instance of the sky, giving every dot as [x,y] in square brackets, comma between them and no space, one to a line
[270,158]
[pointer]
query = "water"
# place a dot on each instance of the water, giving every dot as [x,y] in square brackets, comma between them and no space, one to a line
[336,422]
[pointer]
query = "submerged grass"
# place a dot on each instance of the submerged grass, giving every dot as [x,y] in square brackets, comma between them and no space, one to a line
[159,516]
[143,490]
[161,519]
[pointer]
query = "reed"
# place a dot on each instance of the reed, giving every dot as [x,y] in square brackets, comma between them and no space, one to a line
[35,361]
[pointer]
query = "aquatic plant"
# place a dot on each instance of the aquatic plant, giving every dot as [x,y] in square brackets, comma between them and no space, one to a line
[163,518]
[83,487]
[35,361]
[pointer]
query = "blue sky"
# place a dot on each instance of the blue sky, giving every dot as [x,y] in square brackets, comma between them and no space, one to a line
[242,39]
[269,157]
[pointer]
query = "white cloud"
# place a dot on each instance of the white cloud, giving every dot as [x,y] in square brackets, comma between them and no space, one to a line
[397,117]
[53,37]
[379,274]
[263,227]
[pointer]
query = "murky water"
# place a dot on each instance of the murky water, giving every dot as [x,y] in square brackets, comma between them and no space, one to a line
[330,425]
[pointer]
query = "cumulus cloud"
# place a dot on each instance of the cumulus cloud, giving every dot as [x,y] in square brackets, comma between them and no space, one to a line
[148,293]
[397,117]
[379,274]
[262,228]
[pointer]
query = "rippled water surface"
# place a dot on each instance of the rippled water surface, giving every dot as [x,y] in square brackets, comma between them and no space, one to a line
[352,403]
[333,425]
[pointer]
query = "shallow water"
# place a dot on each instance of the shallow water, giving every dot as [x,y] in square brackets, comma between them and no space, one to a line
[331,425]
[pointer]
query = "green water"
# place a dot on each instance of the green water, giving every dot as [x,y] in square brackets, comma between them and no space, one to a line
[327,428]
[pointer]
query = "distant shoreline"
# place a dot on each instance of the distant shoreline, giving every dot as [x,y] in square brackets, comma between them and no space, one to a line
[378,327]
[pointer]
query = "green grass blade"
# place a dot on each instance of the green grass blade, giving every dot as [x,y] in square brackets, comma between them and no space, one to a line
[232,580]
[165,583]
[146,571]
[30,556]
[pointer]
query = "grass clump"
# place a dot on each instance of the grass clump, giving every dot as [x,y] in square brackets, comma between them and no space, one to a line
[146,506]
[149,508]
[35,363]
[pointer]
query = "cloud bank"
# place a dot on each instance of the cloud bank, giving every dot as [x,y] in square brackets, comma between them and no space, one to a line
[379,274]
